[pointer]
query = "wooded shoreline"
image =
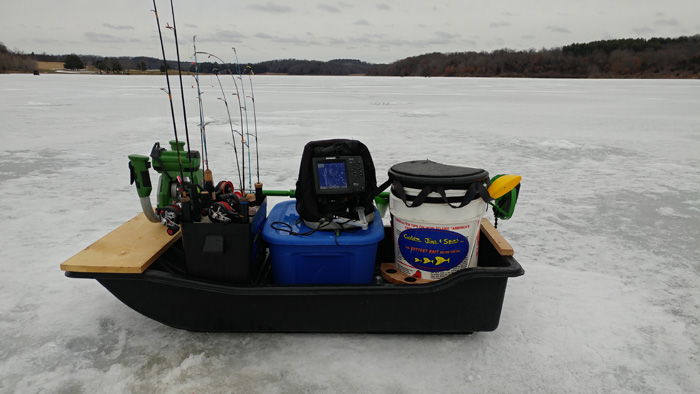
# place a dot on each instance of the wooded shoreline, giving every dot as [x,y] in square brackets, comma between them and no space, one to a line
[623,58]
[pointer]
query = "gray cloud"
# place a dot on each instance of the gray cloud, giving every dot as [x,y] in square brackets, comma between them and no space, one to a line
[227,36]
[230,35]
[558,29]
[361,22]
[289,40]
[643,30]
[271,7]
[446,36]
[120,27]
[335,41]
[666,22]
[499,24]
[383,7]
[496,42]
[102,38]
[330,8]
[47,41]
[384,41]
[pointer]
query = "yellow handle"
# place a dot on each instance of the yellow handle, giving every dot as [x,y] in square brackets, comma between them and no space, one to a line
[503,185]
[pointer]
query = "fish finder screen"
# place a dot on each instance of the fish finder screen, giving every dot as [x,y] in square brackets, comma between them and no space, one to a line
[332,175]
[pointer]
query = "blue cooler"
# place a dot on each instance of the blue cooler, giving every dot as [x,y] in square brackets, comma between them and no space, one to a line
[321,257]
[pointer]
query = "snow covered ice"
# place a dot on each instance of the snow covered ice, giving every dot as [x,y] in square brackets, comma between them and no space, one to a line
[607,229]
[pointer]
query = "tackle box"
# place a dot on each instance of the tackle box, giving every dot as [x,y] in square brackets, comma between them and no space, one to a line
[300,255]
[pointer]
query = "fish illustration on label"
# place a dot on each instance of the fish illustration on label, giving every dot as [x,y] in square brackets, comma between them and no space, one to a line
[433,249]
[439,260]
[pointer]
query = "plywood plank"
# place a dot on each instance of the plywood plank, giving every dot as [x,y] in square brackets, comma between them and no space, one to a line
[393,275]
[502,246]
[130,248]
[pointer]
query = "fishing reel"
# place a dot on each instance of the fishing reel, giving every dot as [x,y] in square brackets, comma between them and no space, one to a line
[184,209]
[226,209]
[170,217]
[223,212]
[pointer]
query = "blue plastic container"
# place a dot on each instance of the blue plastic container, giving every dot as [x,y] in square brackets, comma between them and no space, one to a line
[321,257]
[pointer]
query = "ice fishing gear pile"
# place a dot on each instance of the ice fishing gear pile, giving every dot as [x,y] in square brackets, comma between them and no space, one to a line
[229,265]
[186,192]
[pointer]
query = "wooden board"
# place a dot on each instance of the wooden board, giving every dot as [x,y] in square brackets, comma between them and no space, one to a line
[502,246]
[393,275]
[130,248]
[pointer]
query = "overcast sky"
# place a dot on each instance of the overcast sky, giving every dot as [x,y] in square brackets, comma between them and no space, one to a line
[375,31]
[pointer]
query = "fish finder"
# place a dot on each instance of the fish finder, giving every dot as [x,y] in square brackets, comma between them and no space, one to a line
[339,175]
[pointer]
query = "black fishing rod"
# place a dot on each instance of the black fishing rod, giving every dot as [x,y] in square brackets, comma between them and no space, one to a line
[244,143]
[182,89]
[258,185]
[202,125]
[230,122]
[170,96]
[240,110]
[245,108]
[208,181]
[255,121]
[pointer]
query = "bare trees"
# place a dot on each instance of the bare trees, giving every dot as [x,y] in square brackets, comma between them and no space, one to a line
[629,58]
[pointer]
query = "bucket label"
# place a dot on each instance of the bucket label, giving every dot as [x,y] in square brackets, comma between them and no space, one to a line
[433,250]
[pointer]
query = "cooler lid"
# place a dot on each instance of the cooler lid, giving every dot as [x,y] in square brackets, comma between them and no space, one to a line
[419,173]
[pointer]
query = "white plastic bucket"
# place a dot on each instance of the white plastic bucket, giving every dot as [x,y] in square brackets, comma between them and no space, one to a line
[432,241]
[436,212]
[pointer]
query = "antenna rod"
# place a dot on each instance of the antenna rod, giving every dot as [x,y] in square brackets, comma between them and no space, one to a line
[255,122]
[230,122]
[245,108]
[170,96]
[182,89]
[240,110]
[202,126]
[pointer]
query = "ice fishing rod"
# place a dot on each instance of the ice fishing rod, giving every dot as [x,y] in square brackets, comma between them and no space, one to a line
[202,126]
[240,111]
[208,179]
[245,108]
[170,96]
[255,123]
[230,122]
[182,89]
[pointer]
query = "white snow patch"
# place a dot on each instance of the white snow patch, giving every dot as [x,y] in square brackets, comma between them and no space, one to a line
[671,212]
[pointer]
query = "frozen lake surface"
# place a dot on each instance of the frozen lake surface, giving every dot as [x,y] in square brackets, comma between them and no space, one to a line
[607,229]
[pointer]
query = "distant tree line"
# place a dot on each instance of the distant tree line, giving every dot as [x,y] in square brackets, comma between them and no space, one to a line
[143,63]
[623,58]
[10,61]
[627,58]
[290,67]
[310,67]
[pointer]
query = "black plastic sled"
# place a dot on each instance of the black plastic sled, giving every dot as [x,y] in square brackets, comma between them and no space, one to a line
[467,301]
